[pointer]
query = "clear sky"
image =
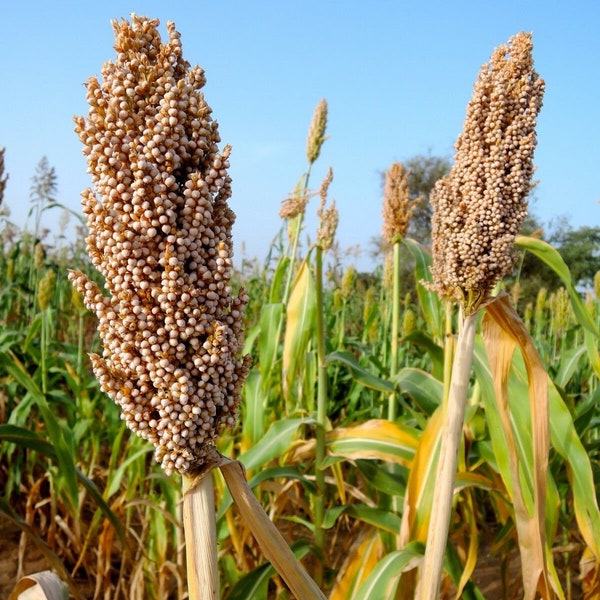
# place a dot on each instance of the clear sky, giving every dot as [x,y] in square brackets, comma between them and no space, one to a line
[397,77]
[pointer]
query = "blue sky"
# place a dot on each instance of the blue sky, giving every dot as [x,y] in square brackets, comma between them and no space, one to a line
[397,77]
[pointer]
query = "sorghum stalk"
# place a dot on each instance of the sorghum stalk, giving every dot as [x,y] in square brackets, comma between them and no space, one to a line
[478,209]
[160,233]
[45,294]
[397,211]
[455,406]
[328,225]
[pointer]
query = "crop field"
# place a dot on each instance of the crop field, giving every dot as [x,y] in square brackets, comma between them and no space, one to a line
[362,394]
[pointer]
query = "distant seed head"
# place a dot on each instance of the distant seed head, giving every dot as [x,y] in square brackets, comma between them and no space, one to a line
[160,233]
[397,206]
[328,215]
[409,322]
[46,289]
[39,256]
[295,204]
[316,132]
[479,206]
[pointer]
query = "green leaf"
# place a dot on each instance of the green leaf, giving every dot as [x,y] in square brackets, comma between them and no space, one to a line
[23,438]
[279,276]
[29,439]
[382,478]
[254,409]
[382,519]
[59,436]
[424,389]
[567,443]
[554,260]
[383,580]
[282,473]
[271,319]
[424,341]
[374,439]
[115,477]
[253,586]
[431,305]
[301,318]
[360,374]
[568,365]
[274,444]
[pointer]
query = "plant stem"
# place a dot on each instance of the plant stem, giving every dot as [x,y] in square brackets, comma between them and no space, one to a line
[319,501]
[300,218]
[199,524]
[44,349]
[392,402]
[441,508]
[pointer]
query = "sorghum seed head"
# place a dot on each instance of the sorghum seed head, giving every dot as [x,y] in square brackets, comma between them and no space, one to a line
[39,256]
[46,289]
[295,204]
[479,206]
[160,233]
[328,216]
[397,206]
[316,132]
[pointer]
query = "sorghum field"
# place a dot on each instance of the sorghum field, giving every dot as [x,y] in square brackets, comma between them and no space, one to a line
[358,382]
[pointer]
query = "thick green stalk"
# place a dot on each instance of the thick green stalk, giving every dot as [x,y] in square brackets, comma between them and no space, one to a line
[441,511]
[393,403]
[319,502]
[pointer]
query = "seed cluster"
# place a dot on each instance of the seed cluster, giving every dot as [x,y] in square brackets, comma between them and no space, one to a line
[328,215]
[316,132]
[479,206]
[295,204]
[397,206]
[160,234]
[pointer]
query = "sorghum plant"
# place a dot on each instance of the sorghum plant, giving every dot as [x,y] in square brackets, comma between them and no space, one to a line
[397,211]
[478,210]
[397,206]
[328,222]
[479,206]
[160,234]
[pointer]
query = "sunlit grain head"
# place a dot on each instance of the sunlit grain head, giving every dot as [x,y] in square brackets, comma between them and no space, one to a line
[160,233]
[479,206]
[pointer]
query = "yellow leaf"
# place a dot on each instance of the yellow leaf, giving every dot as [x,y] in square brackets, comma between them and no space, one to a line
[503,331]
[357,566]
